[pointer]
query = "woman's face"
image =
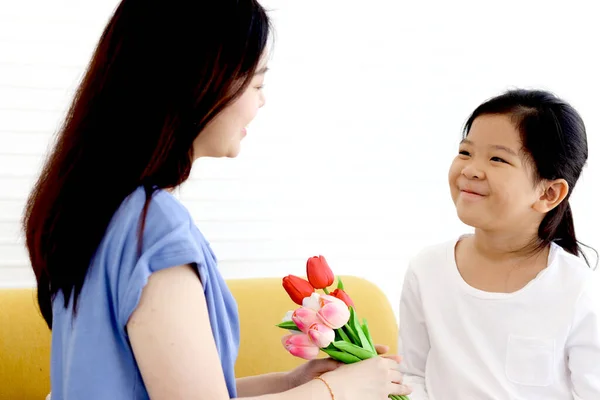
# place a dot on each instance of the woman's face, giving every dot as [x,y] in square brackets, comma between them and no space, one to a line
[223,135]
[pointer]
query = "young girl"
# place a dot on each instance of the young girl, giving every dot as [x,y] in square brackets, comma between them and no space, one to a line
[126,281]
[510,312]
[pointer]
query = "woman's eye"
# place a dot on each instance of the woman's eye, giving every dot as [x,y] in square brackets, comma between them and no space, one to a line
[464,153]
[498,159]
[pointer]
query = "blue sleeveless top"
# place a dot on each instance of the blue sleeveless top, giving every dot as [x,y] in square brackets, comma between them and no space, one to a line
[91,354]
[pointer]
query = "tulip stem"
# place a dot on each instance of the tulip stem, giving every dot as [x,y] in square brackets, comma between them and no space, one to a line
[325,290]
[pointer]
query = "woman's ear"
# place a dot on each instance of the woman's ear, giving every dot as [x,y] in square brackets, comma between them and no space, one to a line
[554,192]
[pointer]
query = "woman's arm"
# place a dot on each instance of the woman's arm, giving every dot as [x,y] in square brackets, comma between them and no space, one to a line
[173,344]
[172,339]
[276,382]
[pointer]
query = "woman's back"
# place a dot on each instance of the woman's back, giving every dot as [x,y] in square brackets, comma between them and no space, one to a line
[91,354]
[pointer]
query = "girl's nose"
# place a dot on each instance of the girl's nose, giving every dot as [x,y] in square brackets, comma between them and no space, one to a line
[472,172]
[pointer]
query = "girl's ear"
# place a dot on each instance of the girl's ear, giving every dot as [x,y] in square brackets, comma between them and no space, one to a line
[554,193]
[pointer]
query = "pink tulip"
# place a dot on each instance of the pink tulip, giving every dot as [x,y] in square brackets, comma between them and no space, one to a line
[334,312]
[300,345]
[304,317]
[321,335]
[313,301]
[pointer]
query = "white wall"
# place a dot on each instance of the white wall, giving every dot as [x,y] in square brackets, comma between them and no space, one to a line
[349,157]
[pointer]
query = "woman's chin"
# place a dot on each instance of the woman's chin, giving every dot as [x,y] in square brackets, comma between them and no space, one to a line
[234,152]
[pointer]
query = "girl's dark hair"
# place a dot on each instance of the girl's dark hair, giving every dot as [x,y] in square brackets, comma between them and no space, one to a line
[554,139]
[161,71]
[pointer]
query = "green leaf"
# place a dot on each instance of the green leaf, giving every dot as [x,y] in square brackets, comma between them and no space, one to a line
[330,347]
[354,350]
[340,284]
[352,336]
[364,342]
[337,334]
[341,356]
[342,335]
[365,329]
[291,325]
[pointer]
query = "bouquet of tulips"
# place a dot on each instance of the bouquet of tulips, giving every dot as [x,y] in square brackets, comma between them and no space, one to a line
[325,321]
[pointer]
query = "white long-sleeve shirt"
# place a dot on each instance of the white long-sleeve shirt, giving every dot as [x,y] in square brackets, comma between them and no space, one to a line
[541,342]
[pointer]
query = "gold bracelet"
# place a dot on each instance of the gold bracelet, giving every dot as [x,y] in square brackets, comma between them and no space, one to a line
[328,387]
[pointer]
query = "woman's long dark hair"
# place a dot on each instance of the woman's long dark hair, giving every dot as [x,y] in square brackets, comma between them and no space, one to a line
[555,139]
[161,71]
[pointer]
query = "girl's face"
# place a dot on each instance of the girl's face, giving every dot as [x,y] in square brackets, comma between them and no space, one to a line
[492,181]
[223,135]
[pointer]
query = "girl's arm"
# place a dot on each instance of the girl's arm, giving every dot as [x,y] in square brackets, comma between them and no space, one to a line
[413,345]
[173,344]
[583,344]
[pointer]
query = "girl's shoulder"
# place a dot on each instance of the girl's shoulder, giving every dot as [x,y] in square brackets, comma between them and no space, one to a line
[432,258]
[572,271]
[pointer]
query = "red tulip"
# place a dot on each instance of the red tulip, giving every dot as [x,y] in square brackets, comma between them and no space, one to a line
[340,294]
[297,288]
[318,272]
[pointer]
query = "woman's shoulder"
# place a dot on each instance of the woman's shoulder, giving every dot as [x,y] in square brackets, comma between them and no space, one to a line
[161,205]
[156,221]
[159,211]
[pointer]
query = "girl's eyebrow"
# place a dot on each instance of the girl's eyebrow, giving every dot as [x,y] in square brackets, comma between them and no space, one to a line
[505,149]
[494,146]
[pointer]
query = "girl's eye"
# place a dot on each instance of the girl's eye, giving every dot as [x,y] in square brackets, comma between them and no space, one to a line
[260,87]
[498,159]
[464,153]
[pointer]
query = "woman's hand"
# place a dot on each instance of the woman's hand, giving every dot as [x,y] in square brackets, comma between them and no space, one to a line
[311,369]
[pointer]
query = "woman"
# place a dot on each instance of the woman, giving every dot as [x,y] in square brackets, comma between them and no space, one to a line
[126,281]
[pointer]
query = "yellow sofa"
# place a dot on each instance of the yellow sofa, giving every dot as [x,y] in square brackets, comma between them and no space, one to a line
[25,339]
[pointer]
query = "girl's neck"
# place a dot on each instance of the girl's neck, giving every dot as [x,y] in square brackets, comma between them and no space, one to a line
[500,246]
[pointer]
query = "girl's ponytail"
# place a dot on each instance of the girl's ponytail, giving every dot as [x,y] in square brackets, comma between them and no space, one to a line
[558,227]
